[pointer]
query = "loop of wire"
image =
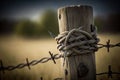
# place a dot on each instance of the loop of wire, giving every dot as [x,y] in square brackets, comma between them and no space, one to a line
[78,41]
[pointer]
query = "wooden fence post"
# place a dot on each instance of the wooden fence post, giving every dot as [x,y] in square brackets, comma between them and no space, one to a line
[73,17]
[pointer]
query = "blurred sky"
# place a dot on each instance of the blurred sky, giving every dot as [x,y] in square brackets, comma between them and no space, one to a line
[17,9]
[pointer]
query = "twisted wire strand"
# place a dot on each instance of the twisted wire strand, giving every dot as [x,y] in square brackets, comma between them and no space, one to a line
[109,72]
[31,63]
[77,41]
[108,45]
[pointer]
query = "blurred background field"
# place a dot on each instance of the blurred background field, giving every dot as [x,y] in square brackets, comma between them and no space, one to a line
[24,33]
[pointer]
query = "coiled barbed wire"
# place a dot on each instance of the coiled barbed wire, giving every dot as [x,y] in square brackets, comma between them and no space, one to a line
[77,41]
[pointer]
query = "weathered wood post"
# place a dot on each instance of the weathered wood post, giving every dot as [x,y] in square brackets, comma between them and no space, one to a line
[74,17]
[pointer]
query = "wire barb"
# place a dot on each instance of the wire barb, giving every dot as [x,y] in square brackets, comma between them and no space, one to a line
[108,45]
[52,57]
[30,63]
[109,73]
[51,34]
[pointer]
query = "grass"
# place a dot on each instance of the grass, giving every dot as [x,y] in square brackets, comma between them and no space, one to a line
[14,50]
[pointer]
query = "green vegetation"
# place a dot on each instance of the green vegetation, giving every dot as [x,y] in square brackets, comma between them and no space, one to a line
[26,28]
[48,22]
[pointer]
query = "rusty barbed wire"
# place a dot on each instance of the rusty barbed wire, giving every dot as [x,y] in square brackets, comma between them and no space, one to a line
[30,63]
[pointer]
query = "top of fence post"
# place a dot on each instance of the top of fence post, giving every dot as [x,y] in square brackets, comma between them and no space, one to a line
[80,67]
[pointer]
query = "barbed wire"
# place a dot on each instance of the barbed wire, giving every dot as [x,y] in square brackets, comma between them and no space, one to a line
[52,57]
[109,72]
[29,63]
[108,45]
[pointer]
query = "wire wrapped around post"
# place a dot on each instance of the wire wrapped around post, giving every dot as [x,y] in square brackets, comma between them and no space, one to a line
[77,41]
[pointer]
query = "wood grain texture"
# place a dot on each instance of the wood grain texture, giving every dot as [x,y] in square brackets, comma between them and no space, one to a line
[74,17]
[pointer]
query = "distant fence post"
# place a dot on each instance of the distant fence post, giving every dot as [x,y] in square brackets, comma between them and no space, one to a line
[73,17]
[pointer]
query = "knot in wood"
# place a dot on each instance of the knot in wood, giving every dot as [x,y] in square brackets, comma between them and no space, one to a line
[77,41]
[82,70]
